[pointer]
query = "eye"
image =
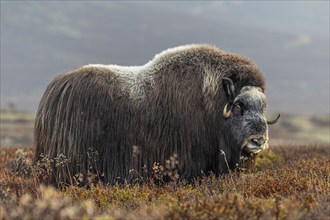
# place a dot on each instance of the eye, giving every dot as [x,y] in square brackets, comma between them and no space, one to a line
[238,108]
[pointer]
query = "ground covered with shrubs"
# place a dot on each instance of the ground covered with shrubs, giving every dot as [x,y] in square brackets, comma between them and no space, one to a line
[282,183]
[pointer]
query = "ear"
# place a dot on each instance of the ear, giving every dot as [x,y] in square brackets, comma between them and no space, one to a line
[229,88]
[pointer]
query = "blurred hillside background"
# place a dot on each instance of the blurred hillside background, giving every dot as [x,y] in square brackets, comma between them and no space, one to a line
[289,40]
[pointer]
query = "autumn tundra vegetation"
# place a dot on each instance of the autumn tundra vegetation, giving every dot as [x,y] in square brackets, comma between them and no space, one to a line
[283,182]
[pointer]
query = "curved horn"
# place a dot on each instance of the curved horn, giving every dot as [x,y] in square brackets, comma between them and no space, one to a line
[273,121]
[226,113]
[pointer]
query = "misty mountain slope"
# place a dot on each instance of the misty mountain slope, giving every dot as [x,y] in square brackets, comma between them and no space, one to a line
[40,40]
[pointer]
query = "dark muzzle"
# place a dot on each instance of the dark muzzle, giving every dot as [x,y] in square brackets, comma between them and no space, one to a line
[255,143]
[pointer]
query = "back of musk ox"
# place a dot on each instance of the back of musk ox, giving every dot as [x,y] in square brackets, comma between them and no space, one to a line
[194,101]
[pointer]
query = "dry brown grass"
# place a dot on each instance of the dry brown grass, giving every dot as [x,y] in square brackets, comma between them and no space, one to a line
[283,183]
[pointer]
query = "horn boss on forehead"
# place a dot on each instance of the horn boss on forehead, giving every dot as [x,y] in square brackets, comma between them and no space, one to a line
[182,102]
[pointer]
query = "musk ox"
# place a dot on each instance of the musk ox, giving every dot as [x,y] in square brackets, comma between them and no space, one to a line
[194,101]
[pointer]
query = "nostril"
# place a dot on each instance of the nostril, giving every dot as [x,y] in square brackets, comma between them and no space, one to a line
[258,141]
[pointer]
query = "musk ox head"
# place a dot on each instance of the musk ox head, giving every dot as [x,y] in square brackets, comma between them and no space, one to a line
[245,112]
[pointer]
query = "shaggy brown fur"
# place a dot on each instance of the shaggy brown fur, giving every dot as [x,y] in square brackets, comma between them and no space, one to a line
[135,116]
